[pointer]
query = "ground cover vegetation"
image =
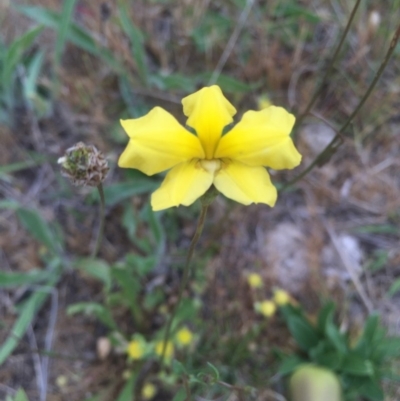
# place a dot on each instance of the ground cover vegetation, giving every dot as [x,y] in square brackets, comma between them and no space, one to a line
[103,298]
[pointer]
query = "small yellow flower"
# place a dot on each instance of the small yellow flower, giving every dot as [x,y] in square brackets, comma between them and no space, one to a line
[169,350]
[184,336]
[254,280]
[149,391]
[233,162]
[135,349]
[266,308]
[281,297]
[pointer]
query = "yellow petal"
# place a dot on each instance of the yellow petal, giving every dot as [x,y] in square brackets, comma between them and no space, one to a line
[157,143]
[209,112]
[245,184]
[182,186]
[262,138]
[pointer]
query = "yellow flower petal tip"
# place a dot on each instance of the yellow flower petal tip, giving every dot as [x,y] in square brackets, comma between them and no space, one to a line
[235,163]
[149,391]
[184,337]
[266,308]
[281,297]
[254,280]
[169,349]
[135,349]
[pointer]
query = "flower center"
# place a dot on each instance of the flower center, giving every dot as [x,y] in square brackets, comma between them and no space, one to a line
[212,166]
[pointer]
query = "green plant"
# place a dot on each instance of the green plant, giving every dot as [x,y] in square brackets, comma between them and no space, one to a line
[19,72]
[361,364]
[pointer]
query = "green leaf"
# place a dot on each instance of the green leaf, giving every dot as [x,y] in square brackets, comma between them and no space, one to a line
[128,391]
[33,70]
[39,228]
[116,193]
[16,51]
[180,395]
[141,265]
[302,331]
[65,19]
[356,365]
[378,261]
[93,309]
[229,84]
[18,166]
[389,347]
[9,204]
[370,328]
[136,40]
[394,288]
[178,368]
[287,10]
[337,339]
[378,229]
[332,360]
[127,281]
[26,315]
[290,364]
[214,370]
[96,268]
[16,279]
[372,391]
[156,229]
[129,220]
[20,395]
[174,82]
[324,315]
[75,34]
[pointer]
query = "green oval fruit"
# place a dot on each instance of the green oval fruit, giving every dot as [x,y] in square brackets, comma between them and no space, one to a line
[314,383]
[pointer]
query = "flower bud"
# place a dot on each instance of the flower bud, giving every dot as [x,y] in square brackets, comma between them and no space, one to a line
[84,165]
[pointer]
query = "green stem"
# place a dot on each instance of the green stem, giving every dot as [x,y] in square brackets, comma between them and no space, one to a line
[186,271]
[337,140]
[330,69]
[102,218]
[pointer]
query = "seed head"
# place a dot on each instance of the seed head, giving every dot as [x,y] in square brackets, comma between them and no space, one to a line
[84,165]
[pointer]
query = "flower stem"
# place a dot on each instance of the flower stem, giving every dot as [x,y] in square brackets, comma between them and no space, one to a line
[186,271]
[102,218]
[337,139]
[331,65]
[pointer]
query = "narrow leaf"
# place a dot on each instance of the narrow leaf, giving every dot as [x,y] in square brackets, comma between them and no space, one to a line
[27,314]
[66,15]
[136,39]
[16,279]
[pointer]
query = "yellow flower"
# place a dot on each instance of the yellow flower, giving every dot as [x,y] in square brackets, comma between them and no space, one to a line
[135,349]
[266,308]
[281,297]
[169,350]
[184,336]
[149,391]
[234,162]
[254,280]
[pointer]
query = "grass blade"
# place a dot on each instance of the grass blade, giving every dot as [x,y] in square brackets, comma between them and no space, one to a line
[136,40]
[16,279]
[25,318]
[75,34]
[66,15]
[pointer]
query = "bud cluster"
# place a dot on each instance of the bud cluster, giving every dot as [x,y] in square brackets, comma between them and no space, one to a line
[84,165]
